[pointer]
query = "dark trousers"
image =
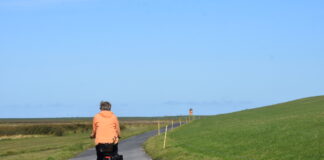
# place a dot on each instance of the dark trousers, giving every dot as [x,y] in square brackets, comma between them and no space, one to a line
[100,155]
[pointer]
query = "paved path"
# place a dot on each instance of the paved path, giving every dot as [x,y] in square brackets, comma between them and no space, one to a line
[130,148]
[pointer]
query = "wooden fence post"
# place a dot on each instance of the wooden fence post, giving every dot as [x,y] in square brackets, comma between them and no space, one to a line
[158,127]
[165,136]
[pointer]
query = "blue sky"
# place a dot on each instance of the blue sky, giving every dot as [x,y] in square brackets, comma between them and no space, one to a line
[60,58]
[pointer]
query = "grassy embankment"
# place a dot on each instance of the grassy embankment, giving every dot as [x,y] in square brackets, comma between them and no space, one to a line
[54,139]
[287,131]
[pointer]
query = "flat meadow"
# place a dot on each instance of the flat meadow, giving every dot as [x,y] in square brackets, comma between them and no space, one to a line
[56,138]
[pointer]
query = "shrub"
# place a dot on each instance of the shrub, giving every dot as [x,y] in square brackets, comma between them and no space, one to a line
[43,129]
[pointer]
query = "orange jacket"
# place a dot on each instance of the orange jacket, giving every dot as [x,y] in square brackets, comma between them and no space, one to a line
[106,127]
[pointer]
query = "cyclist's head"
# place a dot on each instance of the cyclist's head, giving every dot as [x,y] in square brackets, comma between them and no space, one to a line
[105,105]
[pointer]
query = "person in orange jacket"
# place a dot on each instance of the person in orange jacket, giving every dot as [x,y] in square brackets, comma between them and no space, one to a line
[105,129]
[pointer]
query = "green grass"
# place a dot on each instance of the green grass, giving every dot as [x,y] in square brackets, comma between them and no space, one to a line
[287,131]
[50,147]
[58,148]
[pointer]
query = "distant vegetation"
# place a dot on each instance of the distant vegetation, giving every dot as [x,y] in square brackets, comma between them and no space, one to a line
[43,129]
[61,126]
[287,131]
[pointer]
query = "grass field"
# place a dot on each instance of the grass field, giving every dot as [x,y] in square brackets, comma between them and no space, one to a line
[37,139]
[287,131]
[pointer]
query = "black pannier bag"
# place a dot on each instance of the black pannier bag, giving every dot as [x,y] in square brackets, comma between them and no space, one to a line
[109,151]
[106,148]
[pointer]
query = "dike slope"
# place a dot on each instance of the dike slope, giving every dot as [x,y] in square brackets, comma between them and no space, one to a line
[287,131]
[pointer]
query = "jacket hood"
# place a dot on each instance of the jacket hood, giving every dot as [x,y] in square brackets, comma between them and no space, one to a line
[106,114]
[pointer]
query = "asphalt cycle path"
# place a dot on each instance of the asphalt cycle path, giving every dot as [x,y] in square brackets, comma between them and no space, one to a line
[131,148]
